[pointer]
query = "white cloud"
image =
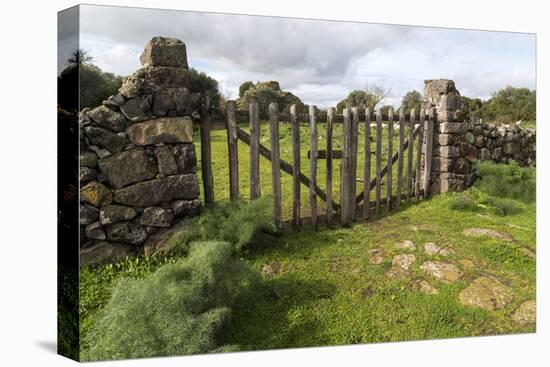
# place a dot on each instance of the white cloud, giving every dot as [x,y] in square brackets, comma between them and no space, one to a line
[320,61]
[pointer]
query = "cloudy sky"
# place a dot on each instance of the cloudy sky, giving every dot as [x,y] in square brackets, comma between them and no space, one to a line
[319,61]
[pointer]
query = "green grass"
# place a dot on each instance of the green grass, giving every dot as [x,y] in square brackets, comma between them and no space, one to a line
[317,297]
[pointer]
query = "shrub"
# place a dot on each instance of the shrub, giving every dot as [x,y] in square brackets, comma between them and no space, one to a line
[237,223]
[178,309]
[503,206]
[463,201]
[507,180]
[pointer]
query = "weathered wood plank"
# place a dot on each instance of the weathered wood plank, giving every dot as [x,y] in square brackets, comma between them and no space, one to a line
[329,155]
[378,160]
[419,154]
[353,163]
[295,166]
[389,175]
[206,152]
[275,163]
[345,169]
[285,167]
[410,155]
[231,125]
[366,168]
[313,165]
[254,112]
[428,152]
[322,154]
[400,152]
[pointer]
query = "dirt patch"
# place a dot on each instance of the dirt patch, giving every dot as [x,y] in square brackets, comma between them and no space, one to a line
[485,232]
[376,256]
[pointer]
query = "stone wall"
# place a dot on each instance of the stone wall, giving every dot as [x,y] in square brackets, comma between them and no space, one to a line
[458,144]
[137,158]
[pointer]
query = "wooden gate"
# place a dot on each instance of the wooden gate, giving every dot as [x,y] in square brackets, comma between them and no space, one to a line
[405,150]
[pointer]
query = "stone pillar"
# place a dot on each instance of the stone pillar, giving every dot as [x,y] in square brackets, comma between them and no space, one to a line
[137,162]
[450,171]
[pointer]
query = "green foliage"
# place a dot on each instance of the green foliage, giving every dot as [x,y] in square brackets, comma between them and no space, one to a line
[199,82]
[507,180]
[179,309]
[471,107]
[511,104]
[503,206]
[82,77]
[237,223]
[463,201]
[412,99]
[356,98]
[265,93]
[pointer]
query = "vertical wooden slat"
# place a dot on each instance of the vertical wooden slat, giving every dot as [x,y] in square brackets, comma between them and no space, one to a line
[400,157]
[295,166]
[353,162]
[410,155]
[275,162]
[206,153]
[313,166]
[389,173]
[419,153]
[345,169]
[428,152]
[378,159]
[366,171]
[254,112]
[231,125]
[330,116]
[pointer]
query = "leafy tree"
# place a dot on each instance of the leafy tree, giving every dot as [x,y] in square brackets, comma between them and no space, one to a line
[412,99]
[82,77]
[471,107]
[511,104]
[265,93]
[244,87]
[199,82]
[371,96]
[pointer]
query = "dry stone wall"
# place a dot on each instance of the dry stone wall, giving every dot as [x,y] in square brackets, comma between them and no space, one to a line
[458,144]
[138,166]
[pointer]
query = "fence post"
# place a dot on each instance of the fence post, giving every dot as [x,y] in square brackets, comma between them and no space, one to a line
[419,148]
[275,161]
[313,166]
[353,162]
[206,155]
[428,152]
[389,173]
[410,155]
[254,112]
[330,116]
[366,172]
[378,159]
[400,155]
[295,166]
[345,169]
[231,125]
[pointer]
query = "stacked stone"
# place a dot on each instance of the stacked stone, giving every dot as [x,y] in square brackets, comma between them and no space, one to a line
[449,169]
[137,161]
[499,143]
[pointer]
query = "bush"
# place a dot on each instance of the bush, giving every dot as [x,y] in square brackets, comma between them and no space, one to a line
[463,201]
[237,223]
[503,206]
[507,180]
[179,309]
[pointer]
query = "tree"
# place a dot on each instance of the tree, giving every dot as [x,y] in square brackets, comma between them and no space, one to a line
[201,83]
[412,99]
[511,104]
[471,107]
[369,97]
[244,87]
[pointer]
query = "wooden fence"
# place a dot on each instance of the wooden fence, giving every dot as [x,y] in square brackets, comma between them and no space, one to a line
[410,159]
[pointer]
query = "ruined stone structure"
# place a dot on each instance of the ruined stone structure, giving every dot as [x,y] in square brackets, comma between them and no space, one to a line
[137,157]
[457,144]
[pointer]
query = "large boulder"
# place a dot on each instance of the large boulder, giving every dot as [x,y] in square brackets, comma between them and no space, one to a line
[128,167]
[154,192]
[168,130]
[136,109]
[162,51]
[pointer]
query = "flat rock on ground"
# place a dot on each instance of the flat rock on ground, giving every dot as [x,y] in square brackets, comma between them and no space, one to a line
[376,256]
[432,249]
[526,313]
[401,265]
[482,232]
[405,245]
[424,287]
[488,293]
[442,271]
[466,264]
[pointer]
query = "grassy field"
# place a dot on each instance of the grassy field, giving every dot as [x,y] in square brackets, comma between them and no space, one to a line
[325,292]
